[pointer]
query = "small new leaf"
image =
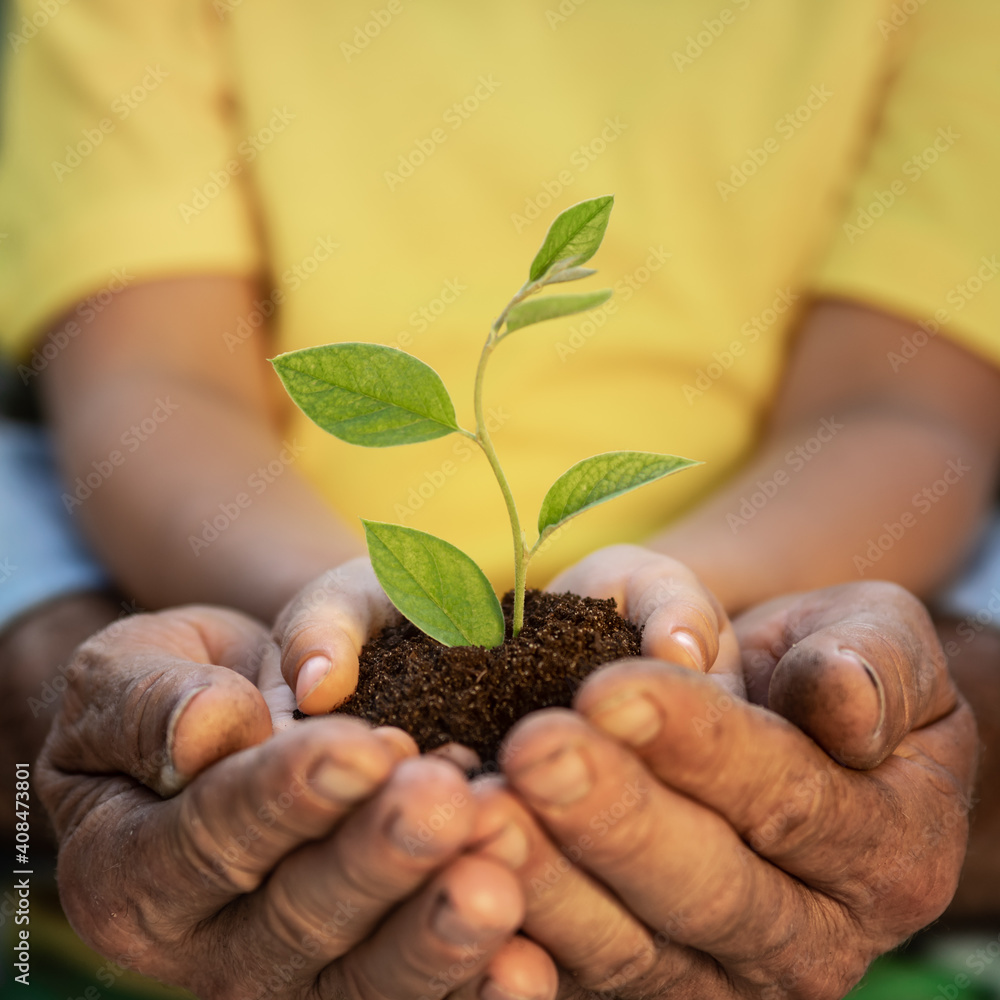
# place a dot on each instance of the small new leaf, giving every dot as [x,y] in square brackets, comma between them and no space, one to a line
[435,585]
[570,274]
[552,307]
[576,233]
[368,394]
[601,478]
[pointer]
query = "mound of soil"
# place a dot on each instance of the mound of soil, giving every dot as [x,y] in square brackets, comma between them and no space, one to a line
[472,695]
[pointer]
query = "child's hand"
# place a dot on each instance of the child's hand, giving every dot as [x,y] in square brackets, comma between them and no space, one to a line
[321,632]
[682,622]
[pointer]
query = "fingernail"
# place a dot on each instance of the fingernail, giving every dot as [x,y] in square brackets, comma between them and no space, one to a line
[631,718]
[340,784]
[559,779]
[876,683]
[691,644]
[171,780]
[312,673]
[508,846]
[452,927]
[417,839]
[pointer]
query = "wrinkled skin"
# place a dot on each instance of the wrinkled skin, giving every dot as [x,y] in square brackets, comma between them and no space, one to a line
[712,848]
[308,862]
[717,851]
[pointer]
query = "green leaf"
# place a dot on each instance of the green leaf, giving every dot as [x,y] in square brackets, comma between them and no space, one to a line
[368,394]
[601,478]
[435,585]
[575,233]
[552,307]
[570,274]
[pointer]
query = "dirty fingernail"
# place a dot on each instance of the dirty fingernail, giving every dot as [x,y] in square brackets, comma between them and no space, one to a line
[312,673]
[341,784]
[694,652]
[631,718]
[171,779]
[452,927]
[416,837]
[559,779]
[876,684]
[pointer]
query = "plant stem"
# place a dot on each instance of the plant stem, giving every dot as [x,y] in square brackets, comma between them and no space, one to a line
[483,440]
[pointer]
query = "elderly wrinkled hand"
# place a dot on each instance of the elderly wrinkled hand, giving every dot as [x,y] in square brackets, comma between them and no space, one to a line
[675,840]
[307,862]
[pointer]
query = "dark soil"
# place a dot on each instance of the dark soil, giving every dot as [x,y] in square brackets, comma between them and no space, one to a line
[472,695]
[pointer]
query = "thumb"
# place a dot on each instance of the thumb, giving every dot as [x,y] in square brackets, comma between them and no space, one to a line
[162,696]
[857,667]
[321,632]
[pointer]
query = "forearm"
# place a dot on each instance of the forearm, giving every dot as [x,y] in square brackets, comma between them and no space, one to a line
[174,458]
[207,508]
[866,470]
[851,496]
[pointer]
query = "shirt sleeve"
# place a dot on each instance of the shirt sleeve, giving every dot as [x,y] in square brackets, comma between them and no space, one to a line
[920,235]
[118,157]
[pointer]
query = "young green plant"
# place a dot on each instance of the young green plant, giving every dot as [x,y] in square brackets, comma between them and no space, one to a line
[372,395]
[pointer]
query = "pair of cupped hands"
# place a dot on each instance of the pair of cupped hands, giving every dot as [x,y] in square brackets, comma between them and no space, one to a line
[756,808]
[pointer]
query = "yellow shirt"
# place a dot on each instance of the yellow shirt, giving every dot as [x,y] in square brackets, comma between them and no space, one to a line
[390,168]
